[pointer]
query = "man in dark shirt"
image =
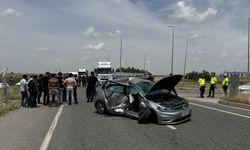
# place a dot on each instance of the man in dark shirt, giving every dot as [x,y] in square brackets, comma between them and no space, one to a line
[61,88]
[91,87]
[40,88]
[45,81]
[32,88]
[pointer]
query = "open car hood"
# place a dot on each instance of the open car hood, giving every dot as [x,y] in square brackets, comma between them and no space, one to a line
[167,83]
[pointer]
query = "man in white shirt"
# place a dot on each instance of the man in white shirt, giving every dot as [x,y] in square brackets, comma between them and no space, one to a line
[70,83]
[23,90]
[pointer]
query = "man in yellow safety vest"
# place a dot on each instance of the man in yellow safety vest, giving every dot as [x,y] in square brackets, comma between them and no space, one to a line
[202,84]
[225,83]
[213,82]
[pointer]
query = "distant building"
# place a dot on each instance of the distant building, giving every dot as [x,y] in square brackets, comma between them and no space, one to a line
[240,74]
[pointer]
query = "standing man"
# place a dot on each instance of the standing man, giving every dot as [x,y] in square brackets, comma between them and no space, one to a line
[83,81]
[40,88]
[11,81]
[23,90]
[61,87]
[202,84]
[45,82]
[91,87]
[225,83]
[75,89]
[32,88]
[213,82]
[70,83]
[53,86]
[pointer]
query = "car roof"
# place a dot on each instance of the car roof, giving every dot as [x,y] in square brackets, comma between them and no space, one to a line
[127,80]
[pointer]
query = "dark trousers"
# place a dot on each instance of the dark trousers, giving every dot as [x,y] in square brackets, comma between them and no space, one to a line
[83,83]
[211,90]
[225,89]
[39,95]
[75,94]
[202,91]
[24,99]
[90,91]
[45,96]
[34,104]
[64,95]
[31,99]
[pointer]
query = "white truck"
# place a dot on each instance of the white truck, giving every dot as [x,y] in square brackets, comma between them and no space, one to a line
[104,71]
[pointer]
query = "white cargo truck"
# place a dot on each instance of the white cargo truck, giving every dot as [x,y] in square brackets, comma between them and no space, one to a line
[104,71]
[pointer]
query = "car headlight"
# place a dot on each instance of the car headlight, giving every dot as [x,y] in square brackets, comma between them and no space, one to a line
[161,108]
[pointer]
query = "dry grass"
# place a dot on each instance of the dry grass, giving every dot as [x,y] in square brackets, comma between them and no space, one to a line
[240,98]
[6,107]
[13,97]
[12,93]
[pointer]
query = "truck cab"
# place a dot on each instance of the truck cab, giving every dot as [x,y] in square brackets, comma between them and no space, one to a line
[104,71]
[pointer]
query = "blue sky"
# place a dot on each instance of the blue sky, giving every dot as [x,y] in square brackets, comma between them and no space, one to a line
[37,36]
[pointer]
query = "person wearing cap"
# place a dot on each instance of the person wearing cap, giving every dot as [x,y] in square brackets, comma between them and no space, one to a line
[213,82]
[225,83]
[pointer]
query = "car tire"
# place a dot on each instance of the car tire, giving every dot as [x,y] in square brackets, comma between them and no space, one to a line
[100,107]
[145,116]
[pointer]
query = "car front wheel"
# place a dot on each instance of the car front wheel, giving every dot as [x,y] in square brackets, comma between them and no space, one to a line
[145,116]
[100,107]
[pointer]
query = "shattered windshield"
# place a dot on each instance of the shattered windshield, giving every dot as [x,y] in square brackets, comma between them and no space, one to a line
[145,86]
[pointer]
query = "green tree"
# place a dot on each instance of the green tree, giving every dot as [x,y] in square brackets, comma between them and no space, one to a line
[130,70]
[194,75]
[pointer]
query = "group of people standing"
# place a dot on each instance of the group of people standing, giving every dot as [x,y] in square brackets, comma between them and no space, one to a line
[213,82]
[54,88]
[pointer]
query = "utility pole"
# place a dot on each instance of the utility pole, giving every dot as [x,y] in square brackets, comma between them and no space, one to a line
[120,50]
[172,56]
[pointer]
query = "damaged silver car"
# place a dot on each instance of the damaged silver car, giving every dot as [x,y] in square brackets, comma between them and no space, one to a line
[144,100]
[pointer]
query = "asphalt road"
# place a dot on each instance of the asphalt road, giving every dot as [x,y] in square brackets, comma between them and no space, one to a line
[79,127]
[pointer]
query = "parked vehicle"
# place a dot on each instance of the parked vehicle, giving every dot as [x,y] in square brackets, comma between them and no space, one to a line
[245,87]
[2,85]
[104,71]
[143,100]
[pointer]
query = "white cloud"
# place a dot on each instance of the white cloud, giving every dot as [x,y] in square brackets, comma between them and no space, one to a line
[194,36]
[91,31]
[11,12]
[100,46]
[191,14]
[117,32]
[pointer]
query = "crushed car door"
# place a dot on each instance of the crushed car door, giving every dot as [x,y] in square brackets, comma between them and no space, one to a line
[117,98]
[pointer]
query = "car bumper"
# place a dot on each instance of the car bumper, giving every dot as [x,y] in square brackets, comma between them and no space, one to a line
[174,117]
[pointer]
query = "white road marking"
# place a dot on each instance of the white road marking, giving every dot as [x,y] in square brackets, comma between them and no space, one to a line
[47,138]
[171,127]
[227,112]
